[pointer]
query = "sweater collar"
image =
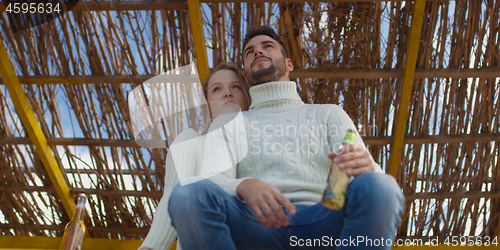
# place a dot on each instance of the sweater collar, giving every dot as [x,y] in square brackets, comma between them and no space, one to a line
[275,94]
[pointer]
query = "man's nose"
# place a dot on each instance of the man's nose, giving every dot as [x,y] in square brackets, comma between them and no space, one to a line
[257,51]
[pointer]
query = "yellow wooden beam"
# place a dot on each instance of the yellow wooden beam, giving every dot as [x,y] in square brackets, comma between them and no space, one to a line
[174,246]
[408,78]
[198,38]
[53,243]
[34,131]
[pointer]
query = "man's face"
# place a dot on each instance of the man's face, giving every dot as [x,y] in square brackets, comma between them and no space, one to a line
[264,61]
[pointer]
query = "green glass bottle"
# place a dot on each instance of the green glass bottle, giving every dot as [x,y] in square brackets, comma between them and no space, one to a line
[338,181]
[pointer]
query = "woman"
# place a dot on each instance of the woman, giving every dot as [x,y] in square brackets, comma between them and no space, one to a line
[226,91]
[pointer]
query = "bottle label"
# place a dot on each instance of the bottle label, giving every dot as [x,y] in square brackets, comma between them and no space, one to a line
[349,138]
[337,181]
[79,239]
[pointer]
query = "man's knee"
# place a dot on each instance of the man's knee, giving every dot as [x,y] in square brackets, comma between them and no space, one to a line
[188,197]
[378,189]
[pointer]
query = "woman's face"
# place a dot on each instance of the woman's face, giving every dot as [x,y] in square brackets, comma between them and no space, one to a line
[225,94]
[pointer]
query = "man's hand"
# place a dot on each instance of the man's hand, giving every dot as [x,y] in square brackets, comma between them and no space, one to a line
[354,159]
[267,200]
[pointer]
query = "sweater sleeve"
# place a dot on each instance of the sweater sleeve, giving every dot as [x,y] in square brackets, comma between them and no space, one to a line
[162,234]
[338,124]
[227,181]
[225,146]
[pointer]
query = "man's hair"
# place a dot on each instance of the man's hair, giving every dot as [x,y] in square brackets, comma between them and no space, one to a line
[267,31]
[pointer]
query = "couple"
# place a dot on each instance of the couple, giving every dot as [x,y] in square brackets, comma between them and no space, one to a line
[271,200]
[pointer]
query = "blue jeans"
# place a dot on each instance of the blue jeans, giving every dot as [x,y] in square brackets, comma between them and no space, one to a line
[207,217]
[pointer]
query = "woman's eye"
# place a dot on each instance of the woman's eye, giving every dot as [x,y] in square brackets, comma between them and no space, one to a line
[216,89]
[237,86]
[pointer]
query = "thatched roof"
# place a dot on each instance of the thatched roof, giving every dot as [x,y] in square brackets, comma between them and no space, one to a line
[348,53]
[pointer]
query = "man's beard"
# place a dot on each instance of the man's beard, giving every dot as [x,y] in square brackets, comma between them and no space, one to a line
[270,74]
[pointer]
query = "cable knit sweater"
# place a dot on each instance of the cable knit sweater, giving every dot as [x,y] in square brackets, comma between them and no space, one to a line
[184,160]
[162,234]
[287,142]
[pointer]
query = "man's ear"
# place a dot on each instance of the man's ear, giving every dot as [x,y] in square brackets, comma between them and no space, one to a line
[289,64]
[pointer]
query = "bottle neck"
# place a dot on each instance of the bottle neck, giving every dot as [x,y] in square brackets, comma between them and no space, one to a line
[80,208]
[79,214]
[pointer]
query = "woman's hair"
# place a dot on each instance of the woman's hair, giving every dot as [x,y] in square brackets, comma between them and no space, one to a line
[244,84]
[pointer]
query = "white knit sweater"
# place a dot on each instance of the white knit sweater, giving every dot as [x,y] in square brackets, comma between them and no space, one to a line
[162,234]
[288,142]
[185,157]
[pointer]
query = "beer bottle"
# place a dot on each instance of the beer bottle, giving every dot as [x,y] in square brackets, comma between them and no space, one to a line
[338,181]
[75,229]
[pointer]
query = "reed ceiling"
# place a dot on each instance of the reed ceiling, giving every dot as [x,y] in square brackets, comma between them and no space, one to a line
[347,53]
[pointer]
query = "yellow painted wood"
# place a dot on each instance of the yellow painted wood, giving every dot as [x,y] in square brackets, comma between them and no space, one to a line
[34,131]
[198,38]
[39,243]
[174,246]
[408,78]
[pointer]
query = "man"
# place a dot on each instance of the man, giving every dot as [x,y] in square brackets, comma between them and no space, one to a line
[274,203]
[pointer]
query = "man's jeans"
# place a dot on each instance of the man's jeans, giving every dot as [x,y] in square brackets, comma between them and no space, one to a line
[207,217]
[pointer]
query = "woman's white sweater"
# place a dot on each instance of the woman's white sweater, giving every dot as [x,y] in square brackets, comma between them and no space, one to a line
[162,234]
